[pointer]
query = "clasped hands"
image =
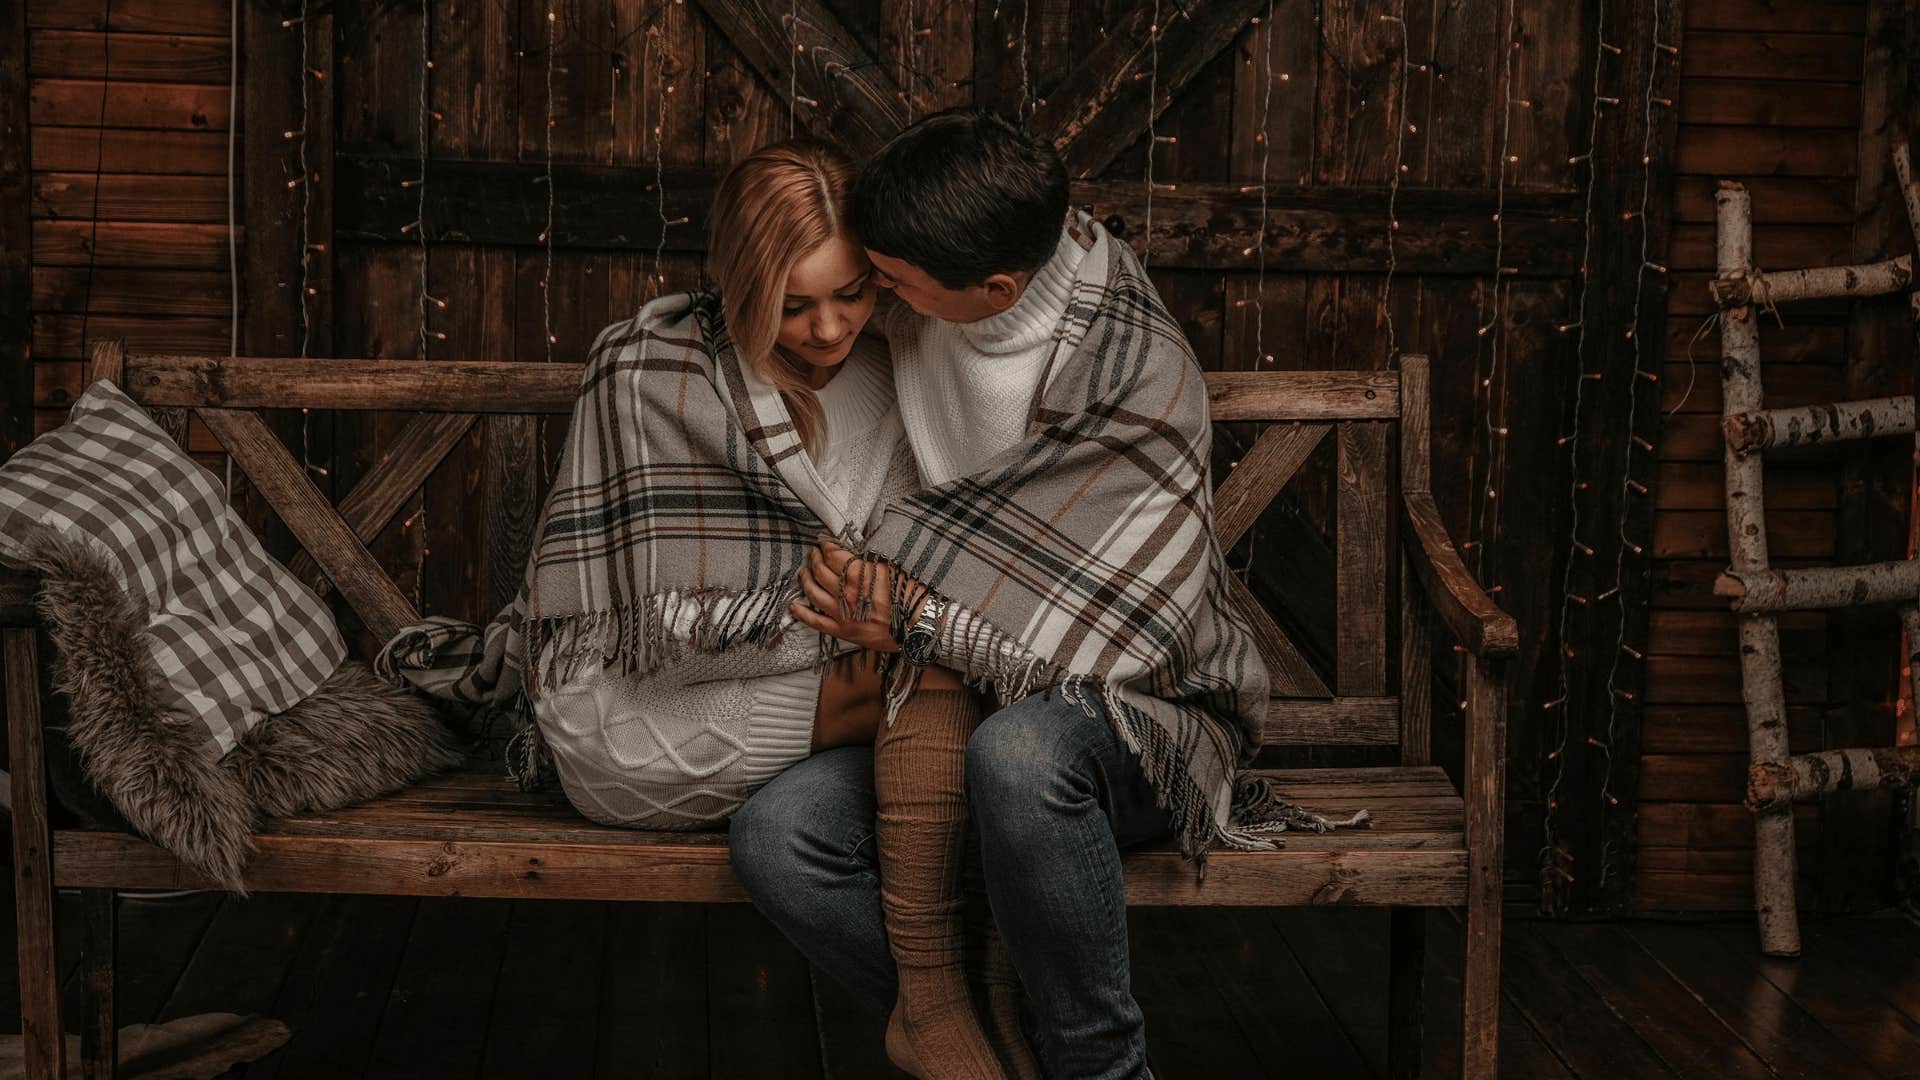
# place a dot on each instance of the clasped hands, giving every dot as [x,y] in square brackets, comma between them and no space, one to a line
[832,582]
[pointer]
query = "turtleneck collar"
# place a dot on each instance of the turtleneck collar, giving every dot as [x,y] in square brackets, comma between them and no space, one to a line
[1032,318]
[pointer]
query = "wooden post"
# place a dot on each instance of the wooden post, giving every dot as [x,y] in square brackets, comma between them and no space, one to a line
[99,1037]
[1486,777]
[16,235]
[1416,619]
[1773,857]
[42,1043]
[1406,983]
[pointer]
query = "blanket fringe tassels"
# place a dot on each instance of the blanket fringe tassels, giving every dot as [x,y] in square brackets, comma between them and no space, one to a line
[639,640]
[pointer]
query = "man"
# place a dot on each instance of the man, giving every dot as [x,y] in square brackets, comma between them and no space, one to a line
[1060,424]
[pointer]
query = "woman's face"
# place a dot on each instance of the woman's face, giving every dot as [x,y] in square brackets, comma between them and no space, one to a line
[829,298]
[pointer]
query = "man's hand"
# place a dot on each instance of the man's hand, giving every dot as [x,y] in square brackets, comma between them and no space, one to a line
[833,581]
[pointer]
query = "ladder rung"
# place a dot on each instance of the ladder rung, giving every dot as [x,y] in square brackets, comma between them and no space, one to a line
[1821,587]
[1854,769]
[1811,425]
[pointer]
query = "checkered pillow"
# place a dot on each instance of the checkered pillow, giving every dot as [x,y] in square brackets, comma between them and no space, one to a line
[234,634]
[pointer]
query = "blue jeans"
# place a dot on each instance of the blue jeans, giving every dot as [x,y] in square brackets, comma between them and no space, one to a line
[1055,795]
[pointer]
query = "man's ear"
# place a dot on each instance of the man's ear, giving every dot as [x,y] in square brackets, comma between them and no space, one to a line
[1002,291]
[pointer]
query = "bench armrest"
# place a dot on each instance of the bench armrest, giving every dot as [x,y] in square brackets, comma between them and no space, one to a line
[1467,610]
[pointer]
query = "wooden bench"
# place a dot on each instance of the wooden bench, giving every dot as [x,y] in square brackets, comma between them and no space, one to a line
[474,834]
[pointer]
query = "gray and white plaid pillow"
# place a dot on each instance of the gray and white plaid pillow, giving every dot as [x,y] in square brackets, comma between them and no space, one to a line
[236,636]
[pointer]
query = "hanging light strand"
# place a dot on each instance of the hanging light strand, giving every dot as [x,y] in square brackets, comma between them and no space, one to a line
[1401,128]
[1628,485]
[1561,707]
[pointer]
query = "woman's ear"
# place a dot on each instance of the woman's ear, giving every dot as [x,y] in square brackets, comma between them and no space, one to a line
[1002,291]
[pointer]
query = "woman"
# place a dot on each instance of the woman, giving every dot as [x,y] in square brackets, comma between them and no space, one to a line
[681,743]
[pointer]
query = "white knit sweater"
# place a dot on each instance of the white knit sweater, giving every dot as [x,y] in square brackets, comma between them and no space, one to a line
[966,388]
[684,747]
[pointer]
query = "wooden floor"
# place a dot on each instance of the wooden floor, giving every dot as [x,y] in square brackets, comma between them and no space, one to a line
[396,987]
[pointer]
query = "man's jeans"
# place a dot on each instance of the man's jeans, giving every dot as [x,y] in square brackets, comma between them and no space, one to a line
[1055,795]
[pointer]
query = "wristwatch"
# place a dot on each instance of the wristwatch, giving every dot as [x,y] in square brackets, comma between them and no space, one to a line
[918,642]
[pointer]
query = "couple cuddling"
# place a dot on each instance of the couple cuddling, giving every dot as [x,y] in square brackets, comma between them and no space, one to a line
[898,588]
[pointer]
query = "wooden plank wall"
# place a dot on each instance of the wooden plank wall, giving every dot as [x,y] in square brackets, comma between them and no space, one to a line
[1769,91]
[129,120]
[1772,97]
[1326,79]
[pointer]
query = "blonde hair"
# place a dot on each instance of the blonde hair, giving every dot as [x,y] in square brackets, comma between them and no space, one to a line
[773,207]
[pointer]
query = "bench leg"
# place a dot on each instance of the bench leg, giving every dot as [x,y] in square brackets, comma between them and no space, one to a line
[99,1038]
[41,1043]
[1486,797]
[1407,951]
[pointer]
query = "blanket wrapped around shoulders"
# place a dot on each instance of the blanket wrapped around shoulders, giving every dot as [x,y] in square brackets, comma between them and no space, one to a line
[673,524]
[1091,544]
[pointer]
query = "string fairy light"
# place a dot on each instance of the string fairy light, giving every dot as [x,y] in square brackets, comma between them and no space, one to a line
[1258,249]
[1153,139]
[1265,139]
[1401,128]
[660,169]
[420,234]
[1551,853]
[1491,326]
[1026,71]
[425,136]
[309,292]
[1483,500]
[546,234]
[1615,694]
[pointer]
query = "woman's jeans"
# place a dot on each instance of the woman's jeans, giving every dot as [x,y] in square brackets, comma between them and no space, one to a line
[1055,795]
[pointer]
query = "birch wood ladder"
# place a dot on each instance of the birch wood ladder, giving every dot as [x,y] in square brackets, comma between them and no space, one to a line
[1758,592]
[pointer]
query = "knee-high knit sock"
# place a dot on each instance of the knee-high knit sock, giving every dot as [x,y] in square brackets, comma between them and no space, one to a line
[918,771]
[1000,984]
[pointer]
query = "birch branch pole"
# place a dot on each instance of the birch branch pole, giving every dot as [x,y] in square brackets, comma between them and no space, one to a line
[1760,683]
[1819,588]
[1749,285]
[1811,425]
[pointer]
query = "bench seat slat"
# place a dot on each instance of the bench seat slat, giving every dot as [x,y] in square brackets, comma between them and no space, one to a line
[473,833]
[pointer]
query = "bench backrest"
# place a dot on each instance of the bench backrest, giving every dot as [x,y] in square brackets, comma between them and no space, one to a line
[1359,410]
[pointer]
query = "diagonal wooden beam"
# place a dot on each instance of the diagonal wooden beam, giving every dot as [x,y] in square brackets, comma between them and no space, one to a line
[408,461]
[1287,670]
[1100,109]
[312,520]
[816,66]
[1259,475]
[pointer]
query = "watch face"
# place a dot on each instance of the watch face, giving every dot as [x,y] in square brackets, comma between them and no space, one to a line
[918,646]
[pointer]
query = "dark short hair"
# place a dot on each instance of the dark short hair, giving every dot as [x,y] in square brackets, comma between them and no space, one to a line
[963,194]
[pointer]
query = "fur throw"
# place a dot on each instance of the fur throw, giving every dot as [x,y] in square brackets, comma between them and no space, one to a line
[351,739]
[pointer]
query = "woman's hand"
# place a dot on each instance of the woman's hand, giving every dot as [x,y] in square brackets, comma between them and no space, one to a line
[833,581]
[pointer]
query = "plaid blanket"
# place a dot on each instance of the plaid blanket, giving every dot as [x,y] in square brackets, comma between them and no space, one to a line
[674,523]
[671,525]
[235,636]
[1091,543]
